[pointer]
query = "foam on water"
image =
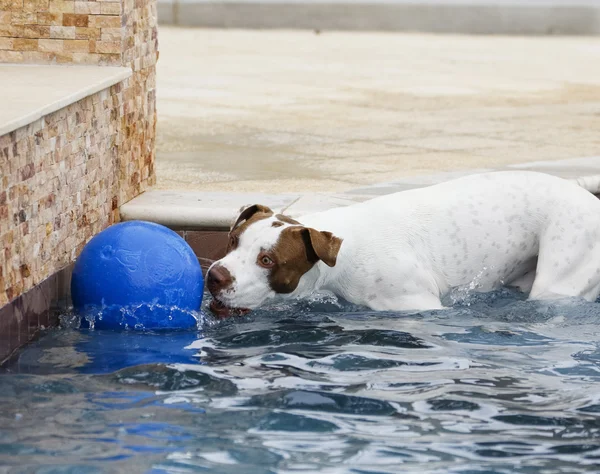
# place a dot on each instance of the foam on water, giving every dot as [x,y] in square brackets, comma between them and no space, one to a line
[131,317]
[496,384]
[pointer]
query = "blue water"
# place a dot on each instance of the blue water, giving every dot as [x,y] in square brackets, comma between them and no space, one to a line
[494,385]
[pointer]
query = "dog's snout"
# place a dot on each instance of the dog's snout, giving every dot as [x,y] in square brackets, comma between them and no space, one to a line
[218,278]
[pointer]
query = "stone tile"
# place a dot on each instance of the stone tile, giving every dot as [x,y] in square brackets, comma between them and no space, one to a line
[110,8]
[62,32]
[6,43]
[22,318]
[33,304]
[61,6]
[51,45]
[25,44]
[76,46]
[75,19]
[21,323]
[13,330]
[85,7]
[105,21]
[7,342]
[49,288]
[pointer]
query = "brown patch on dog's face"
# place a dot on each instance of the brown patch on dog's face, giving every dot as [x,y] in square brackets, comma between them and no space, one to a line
[247,217]
[296,252]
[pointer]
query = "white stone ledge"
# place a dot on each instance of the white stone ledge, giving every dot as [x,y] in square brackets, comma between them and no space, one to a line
[29,92]
[198,210]
[195,210]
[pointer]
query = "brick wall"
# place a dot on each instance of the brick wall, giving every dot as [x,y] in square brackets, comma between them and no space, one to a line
[63,177]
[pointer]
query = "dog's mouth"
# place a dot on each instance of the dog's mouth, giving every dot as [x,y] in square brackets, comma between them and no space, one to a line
[222,311]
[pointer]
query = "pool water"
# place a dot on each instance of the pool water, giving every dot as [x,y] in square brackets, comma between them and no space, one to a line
[495,384]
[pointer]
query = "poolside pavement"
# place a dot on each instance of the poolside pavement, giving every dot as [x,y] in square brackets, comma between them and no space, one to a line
[295,111]
[305,122]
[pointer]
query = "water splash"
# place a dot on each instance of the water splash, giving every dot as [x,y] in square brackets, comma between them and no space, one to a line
[134,317]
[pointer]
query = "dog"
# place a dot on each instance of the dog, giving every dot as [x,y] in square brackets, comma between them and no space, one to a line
[405,251]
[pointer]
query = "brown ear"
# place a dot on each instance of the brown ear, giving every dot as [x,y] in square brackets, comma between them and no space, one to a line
[249,212]
[324,245]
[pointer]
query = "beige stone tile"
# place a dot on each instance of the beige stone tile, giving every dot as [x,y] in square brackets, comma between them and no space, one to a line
[110,47]
[11,56]
[86,7]
[36,31]
[76,46]
[110,8]
[23,18]
[88,33]
[25,44]
[105,21]
[5,17]
[51,45]
[62,32]
[61,6]
[49,19]
[36,5]
[6,43]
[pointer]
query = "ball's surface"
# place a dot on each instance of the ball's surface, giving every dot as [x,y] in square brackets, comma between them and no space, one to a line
[137,275]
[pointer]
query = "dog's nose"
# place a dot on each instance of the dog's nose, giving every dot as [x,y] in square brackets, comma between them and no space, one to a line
[218,278]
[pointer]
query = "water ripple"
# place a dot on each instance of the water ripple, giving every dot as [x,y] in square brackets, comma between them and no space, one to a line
[497,384]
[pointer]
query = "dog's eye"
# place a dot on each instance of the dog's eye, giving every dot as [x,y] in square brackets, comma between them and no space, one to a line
[265,261]
[233,240]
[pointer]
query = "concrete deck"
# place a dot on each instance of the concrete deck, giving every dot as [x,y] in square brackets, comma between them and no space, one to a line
[296,112]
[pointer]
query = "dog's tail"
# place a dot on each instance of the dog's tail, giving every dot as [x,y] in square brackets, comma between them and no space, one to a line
[589,183]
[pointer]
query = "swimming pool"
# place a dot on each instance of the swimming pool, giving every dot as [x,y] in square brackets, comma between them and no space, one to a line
[494,385]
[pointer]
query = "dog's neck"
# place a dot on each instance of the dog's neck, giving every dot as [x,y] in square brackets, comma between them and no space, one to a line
[319,278]
[312,280]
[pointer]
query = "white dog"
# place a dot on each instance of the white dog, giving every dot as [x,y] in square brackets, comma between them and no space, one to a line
[405,251]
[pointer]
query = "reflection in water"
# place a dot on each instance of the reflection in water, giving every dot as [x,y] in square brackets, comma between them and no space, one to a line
[494,385]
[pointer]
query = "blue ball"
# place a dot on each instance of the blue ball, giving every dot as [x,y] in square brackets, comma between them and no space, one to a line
[137,275]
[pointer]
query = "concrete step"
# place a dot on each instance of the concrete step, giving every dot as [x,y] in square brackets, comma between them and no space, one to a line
[216,211]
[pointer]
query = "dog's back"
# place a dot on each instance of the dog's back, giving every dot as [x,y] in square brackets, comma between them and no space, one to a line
[485,230]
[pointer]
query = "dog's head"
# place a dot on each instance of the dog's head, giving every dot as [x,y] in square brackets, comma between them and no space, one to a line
[267,256]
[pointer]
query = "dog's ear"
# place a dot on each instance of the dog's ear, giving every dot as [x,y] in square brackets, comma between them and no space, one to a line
[249,212]
[321,245]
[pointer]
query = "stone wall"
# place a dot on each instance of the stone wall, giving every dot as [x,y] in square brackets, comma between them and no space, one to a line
[58,187]
[137,114]
[66,31]
[63,178]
